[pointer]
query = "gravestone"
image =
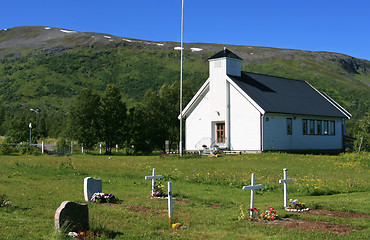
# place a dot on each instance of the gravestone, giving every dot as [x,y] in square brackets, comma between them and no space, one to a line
[252,187]
[72,217]
[285,181]
[153,178]
[167,146]
[169,200]
[91,186]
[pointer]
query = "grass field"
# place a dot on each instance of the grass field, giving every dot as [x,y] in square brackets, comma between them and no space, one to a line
[208,194]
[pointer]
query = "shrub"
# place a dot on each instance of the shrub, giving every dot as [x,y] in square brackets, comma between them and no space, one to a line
[6,149]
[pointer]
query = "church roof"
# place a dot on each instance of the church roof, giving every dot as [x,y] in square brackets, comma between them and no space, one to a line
[225,53]
[288,96]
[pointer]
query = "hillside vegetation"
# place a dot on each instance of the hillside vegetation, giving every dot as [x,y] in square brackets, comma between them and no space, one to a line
[44,68]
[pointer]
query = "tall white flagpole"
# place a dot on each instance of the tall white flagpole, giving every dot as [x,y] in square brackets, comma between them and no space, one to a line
[182,48]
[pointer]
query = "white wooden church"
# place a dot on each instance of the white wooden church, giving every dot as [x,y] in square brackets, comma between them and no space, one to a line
[249,112]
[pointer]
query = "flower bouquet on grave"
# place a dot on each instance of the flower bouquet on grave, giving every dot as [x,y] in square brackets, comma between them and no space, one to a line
[158,190]
[3,201]
[103,198]
[296,206]
[269,214]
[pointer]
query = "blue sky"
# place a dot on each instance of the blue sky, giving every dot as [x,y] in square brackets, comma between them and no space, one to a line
[325,25]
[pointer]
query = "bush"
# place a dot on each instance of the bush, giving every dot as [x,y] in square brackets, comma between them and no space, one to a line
[25,148]
[6,149]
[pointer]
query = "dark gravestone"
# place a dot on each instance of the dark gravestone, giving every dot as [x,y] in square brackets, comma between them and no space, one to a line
[72,217]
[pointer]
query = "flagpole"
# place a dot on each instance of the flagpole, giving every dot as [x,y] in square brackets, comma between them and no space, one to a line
[182,48]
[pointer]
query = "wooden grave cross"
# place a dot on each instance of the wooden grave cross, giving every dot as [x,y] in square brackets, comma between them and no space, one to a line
[252,187]
[169,200]
[153,177]
[285,181]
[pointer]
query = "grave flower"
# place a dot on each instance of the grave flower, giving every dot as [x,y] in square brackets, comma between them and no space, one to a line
[158,189]
[257,215]
[103,198]
[3,201]
[176,225]
[296,206]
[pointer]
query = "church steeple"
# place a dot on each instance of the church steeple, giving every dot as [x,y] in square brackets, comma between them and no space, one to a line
[225,62]
[225,53]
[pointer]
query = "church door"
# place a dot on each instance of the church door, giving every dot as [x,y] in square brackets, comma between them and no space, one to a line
[220,132]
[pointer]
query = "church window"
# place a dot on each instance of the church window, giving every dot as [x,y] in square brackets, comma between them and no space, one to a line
[332,128]
[312,127]
[319,127]
[304,126]
[289,126]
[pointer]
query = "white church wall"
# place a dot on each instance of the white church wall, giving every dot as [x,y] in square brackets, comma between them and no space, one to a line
[198,125]
[218,89]
[275,135]
[245,123]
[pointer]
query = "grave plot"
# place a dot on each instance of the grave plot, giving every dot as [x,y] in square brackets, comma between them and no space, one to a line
[302,224]
[312,225]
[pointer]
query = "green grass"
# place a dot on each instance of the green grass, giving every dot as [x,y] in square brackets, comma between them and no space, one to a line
[207,193]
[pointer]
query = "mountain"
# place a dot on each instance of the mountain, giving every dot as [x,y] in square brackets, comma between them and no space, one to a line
[44,67]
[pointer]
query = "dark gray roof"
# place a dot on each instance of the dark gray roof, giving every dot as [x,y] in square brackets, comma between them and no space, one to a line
[225,53]
[286,96]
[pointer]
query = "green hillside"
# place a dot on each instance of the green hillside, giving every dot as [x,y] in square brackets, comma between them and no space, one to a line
[46,67]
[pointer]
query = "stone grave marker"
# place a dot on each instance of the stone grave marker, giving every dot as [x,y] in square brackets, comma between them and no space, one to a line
[285,181]
[252,187]
[167,146]
[72,217]
[153,177]
[91,186]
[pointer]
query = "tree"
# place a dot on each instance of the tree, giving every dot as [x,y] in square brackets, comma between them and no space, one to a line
[113,116]
[139,129]
[18,129]
[161,111]
[84,118]
[363,131]
[2,120]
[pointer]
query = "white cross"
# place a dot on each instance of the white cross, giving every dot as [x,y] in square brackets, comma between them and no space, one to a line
[153,177]
[252,187]
[170,200]
[285,181]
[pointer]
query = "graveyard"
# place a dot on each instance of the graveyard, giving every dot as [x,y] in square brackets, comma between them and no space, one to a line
[210,198]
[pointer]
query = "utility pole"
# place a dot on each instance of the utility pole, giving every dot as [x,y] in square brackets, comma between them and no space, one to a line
[182,49]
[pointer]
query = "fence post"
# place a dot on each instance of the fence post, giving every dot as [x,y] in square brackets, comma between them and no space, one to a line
[42,147]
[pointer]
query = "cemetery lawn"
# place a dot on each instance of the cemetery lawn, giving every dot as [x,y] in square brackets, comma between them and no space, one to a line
[207,191]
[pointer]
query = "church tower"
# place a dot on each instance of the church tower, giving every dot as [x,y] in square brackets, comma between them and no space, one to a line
[221,64]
